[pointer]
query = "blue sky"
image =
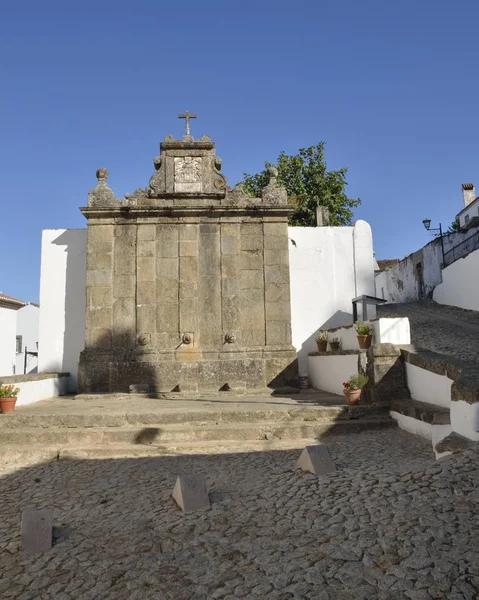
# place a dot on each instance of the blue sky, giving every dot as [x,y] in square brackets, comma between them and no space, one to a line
[391,87]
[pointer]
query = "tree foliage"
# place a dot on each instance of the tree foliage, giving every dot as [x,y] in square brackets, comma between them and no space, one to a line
[309,184]
[454,226]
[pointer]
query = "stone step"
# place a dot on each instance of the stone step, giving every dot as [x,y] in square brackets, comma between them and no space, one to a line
[187,432]
[422,411]
[44,420]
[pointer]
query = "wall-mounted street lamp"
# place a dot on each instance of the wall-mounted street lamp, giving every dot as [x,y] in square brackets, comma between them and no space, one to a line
[437,232]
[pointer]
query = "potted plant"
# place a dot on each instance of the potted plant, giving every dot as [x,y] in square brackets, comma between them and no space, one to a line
[322,341]
[364,334]
[352,388]
[8,398]
[335,343]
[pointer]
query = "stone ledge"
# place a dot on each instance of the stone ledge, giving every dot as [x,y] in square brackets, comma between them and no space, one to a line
[9,379]
[465,376]
[337,353]
[422,411]
[454,443]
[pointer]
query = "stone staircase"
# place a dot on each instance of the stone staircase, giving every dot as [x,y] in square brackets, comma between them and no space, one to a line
[124,426]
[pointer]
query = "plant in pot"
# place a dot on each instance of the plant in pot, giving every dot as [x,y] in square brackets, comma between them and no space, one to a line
[352,388]
[335,343]
[8,398]
[322,341]
[364,333]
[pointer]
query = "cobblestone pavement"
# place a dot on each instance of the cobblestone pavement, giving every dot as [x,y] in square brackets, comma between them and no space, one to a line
[391,523]
[443,329]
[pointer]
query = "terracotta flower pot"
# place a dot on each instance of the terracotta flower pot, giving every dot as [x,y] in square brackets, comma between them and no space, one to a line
[334,345]
[364,341]
[322,345]
[7,405]
[352,396]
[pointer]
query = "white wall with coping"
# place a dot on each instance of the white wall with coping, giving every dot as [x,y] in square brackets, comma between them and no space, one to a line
[329,266]
[435,433]
[428,387]
[470,211]
[33,391]
[27,326]
[8,332]
[465,419]
[400,283]
[62,301]
[327,373]
[460,285]
[386,331]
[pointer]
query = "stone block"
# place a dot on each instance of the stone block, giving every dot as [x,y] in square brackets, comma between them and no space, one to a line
[188,289]
[124,286]
[98,337]
[146,248]
[189,315]
[167,291]
[167,248]
[37,531]
[189,248]
[230,266]
[99,261]
[146,292]
[230,245]
[208,229]
[231,313]
[251,260]
[146,232]
[145,317]
[276,242]
[277,292]
[278,311]
[167,317]
[99,233]
[190,493]
[282,369]
[126,233]
[99,278]
[99,317]
[278,256]
[188,268]
[146,268]
[230,286]
[124,314]
[189,231]
[251,242]
[124,260]
[316,460]
[280,229]
[255,337]
[251,279]
[249,228]
[167,268]
[276,274]
[278,333]
[122,339]
[98,297]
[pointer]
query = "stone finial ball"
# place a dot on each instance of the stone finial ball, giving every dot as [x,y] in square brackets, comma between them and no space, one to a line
[272,171]
[102,173]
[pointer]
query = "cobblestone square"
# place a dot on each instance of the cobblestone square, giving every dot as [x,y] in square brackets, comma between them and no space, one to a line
[391,523]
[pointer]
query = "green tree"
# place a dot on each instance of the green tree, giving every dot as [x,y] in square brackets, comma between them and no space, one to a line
[309,184]
[454,226]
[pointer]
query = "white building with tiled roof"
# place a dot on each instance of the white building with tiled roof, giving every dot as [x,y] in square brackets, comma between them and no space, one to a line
[18,331]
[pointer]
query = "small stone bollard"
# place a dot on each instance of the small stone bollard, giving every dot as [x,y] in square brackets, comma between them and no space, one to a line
[190,493]
[316,460]
[37,530]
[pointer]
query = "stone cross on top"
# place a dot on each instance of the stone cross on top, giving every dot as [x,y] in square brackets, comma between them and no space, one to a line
[187,116]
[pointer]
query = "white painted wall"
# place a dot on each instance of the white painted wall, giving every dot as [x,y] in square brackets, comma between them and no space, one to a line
[33,391]
[428,387]
[465,419]
[400,282]
[8,332]
[386,331]
[62,301]
[329,266]
[328,372]
[460,286]
[27,326]
[435,433]
[471,211]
